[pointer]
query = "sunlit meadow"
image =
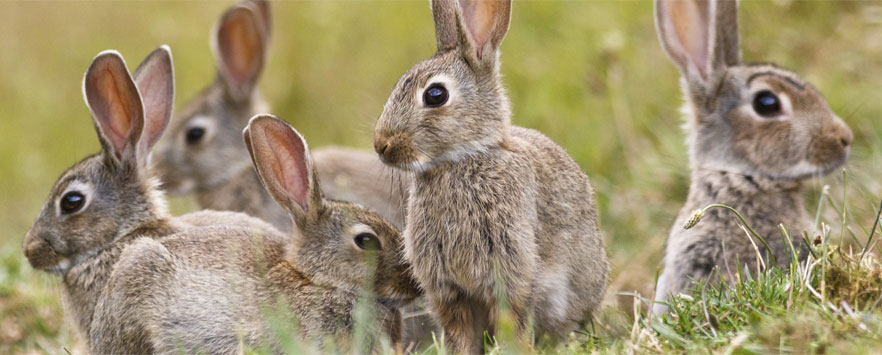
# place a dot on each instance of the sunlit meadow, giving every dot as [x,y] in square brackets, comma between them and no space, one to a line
[589,74]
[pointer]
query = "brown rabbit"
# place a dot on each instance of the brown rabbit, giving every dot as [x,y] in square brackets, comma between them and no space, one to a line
[107,200]
[203,154]
[755,131]
[123,259]
[246,275]
[493,208]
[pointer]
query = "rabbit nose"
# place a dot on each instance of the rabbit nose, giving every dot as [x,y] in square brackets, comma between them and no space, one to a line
[34,245]
[844,132]
[846,138]
[381,147]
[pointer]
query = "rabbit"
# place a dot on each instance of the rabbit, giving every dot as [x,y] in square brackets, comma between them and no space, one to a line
[754,132]
[318,272]
[492,208]
[103,229]
[203,154]
[107,200]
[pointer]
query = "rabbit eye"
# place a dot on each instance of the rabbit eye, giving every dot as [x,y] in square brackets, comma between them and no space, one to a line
[72,202]
[195,134]
[766,104]
[435,96]
[367,241]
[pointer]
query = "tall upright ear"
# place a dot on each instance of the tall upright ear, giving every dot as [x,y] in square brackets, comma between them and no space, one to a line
[262,9]
[684,31]
[700,36]
[726,47]
[115,105]
[239,46]
[446,29]
[484,24]
[155,80]
[282,160]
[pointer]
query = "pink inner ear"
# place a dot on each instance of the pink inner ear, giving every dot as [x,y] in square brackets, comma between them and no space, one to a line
[155,81]
[239,42]
[290,166]
[114,102]
[691,29]
[479,19]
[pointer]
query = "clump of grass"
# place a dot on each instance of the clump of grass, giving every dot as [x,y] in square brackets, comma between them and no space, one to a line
[828,302]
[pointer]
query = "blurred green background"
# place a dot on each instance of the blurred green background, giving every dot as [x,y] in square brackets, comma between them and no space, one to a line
[589,74]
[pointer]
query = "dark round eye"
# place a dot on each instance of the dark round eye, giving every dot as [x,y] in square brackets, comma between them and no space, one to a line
[72,202]
[367,241]
[195,134]
[766,104]
[435,95]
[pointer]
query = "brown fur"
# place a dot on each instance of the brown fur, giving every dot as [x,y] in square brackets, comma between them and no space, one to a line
[217,169]
[494,209]
[751,162]
[139,281]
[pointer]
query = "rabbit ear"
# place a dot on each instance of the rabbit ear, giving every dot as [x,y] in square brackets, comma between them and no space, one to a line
[115,105]
[484,25]
[699,36]
[282,160]
[239,46]
[262,8]
[156,82]
[726,48]
[446,29]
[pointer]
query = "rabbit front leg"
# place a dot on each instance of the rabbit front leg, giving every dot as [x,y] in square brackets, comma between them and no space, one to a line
[464,320]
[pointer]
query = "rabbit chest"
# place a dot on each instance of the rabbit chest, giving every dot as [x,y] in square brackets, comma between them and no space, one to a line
[764,204]
[467,218]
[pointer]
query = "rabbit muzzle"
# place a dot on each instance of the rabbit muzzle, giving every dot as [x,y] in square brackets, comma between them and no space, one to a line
[396,150]
[40,253]
[832,147]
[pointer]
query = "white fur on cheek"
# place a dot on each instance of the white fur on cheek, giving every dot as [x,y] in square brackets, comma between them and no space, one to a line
[802,169]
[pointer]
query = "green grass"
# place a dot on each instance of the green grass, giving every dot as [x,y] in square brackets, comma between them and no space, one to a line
[590,75]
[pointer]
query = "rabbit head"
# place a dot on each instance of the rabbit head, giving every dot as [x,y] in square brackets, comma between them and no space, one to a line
[204,146]
[334,243]
[108,195]
[452,105]
[755,119]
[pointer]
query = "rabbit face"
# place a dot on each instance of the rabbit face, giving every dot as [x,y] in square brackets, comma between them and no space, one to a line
[439,113]
[452,105]
[90,207]
[336,244]
[364,252]
[751,119]
[204,148]
[108,195]
[767,121]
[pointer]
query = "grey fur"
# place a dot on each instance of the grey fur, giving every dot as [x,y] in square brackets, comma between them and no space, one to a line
[492,207]
[217,169]
[739,157]
[137,280]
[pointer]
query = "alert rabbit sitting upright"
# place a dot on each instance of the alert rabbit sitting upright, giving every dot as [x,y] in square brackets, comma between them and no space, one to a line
[754,132]
[492,206]
[203,153]
[334,251]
